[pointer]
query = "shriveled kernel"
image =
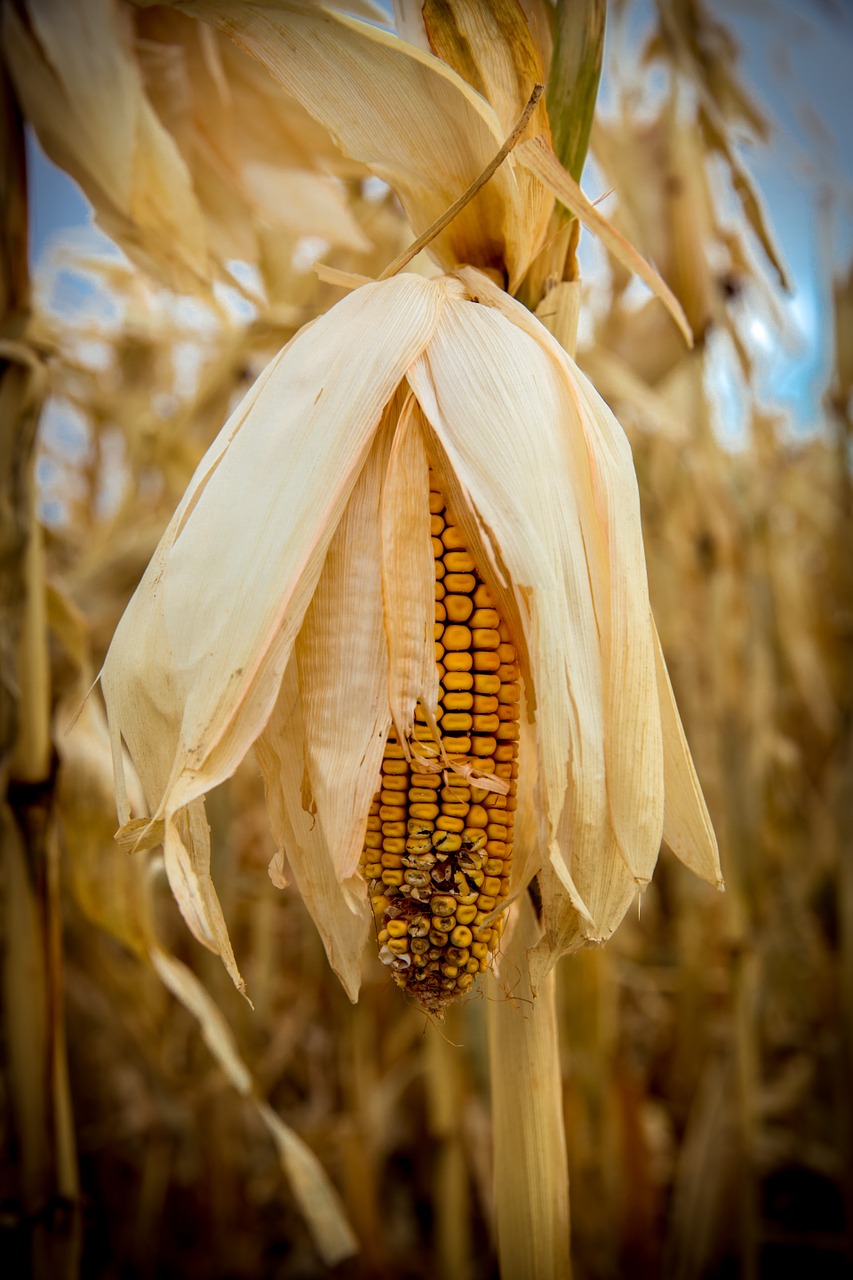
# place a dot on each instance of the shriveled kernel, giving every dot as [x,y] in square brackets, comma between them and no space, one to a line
[420,946]
[464,981]
[444,924]
[421,826]
[457,955]
[417,879]
[474,840]
[442,905]
[446,842]
[437,940]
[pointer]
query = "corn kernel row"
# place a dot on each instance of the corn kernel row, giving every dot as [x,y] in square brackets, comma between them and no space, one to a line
[438,849]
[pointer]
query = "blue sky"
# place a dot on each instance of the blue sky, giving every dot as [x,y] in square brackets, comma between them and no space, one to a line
[797,58]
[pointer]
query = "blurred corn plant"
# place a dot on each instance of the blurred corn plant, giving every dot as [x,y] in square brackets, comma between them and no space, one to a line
[692,1073]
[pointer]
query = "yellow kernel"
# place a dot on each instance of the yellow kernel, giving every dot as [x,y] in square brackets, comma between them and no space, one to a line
[457,745]
[453,539]
[479,794]
[439,651]
[508,731]
[449,970]
[436,503]
[446,842]
[477,816]
[392,876]
[484,706]
[424,811]
[461,936]
[382,936]
[457,637]
[420,795]
[507,770]
[472,966]
[391,860]
[485,724]
[391,813]
[506,752]
[374,823]
[482,747]
[439,611]
[459,608]
[398,946]
[461,582]
[464,981]
[474,839]
[430,780]
[442,904]
[509,692]
[458,661]
[394,845]
[437,548]
[504,630]
[394,782]
[395,767]
[422,733]
[458,680]
[486,683]
[486,660]
[476,877]
[420,826]
[509,711]
[458,702]
[373,840]
[418,844]
[508,671]
[393,751]
[465,914]
[437,630]
[486,618]
[485,901]
[445,823]
[496,831]
[396,928]
[373,870]
[491,886]
[436,524]
[480,950]
[455,722]
[493,866]
[458,562]
[439,590]
[506,652]
[496,848]
[452,810]
[485,638]
[439,666]
[438,566]
[483,598]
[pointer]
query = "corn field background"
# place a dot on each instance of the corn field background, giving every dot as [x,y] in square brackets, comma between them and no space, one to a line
[707,1050]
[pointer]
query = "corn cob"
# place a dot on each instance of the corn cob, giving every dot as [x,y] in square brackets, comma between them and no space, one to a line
[438,847]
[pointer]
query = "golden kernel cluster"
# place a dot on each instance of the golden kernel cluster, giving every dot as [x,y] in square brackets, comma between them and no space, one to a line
[438,847]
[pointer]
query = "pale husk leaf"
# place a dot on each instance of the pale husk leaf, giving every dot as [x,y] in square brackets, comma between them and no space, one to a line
[408,577]
[342,660]
[412,120]
[687,828]
[339,909]
[530,1160]
[536,156]
[494,401]
[80,89]
[194,668]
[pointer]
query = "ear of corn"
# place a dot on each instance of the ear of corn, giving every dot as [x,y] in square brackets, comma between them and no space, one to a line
[438,846]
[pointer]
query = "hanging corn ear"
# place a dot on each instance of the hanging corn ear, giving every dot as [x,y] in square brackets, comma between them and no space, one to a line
[438,848]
